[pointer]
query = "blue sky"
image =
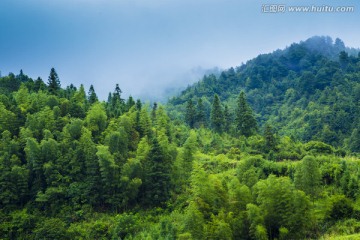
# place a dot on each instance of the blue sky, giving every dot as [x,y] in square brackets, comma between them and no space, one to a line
[148,45]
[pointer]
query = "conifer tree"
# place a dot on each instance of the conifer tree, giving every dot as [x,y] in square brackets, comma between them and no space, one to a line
[153,112]
[270,140]
[217,115]
[115,104]
[190,113]
[245,121]
[227,119]
[53,82]
[129,103]
[92,97]
[158,176]
[39,84]
[200,118]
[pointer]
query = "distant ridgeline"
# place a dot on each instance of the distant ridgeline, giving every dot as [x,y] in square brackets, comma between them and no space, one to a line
[309,91]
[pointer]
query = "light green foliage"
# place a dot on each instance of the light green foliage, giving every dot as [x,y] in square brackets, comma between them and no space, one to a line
[282,206]
[73,167]
[39,121]
[108,168]
[307,176]
[22,98]
[218,228]
[144,122]
[52,228]
[194,221]
[255,219]
[249,171]
[96,120]
[239,196]
[7,119]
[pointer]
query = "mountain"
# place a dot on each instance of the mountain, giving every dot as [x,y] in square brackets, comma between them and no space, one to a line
[74,167]
[309,90]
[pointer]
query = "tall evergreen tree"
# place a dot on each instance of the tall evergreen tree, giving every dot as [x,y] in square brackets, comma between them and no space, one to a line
[158,176]
[117,94]
[115,104]
[200,118]
[92,97]
[270,140]
[138,105]
[217,115]
[53,82]
[153,112]
[245,121]
[227,119]
[190,113]
[39,84]
[129,103]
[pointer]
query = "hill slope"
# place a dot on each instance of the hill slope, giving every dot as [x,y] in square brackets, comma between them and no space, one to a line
[310,90]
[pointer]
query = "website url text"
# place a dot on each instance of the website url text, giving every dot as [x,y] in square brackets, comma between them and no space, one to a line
[282,8]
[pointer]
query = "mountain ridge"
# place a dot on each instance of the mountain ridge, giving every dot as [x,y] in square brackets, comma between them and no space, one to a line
[280,86]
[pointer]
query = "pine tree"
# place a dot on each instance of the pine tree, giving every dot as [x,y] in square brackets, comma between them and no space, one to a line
[53,82]
[115,104]
[228,119]
[117,94]
[245,121]
[153,112]
[158,176]
[92,98]
[190,113]
[200,118]
[217,115]
[129,103]
[270,140]
[39,84]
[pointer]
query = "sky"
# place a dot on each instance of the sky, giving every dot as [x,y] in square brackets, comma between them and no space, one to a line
[147,46]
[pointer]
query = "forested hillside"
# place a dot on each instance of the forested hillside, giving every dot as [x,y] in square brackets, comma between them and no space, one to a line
[308,91]
[230,158]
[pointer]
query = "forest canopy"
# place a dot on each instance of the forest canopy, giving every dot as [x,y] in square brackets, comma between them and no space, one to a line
[268,150]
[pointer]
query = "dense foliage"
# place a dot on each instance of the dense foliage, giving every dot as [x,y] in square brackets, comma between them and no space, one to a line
[309,91]
[73,167]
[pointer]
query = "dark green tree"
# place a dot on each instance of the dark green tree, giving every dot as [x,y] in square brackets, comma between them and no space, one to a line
[190,113]
[354,142]
[245,121]
[270,140]
[200,118]
[129,103]
[92,97]
[117,94]
[153,112]
[53,82]
[39,84]
[158,176]
[115,104]
[228,119]
[217,115]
